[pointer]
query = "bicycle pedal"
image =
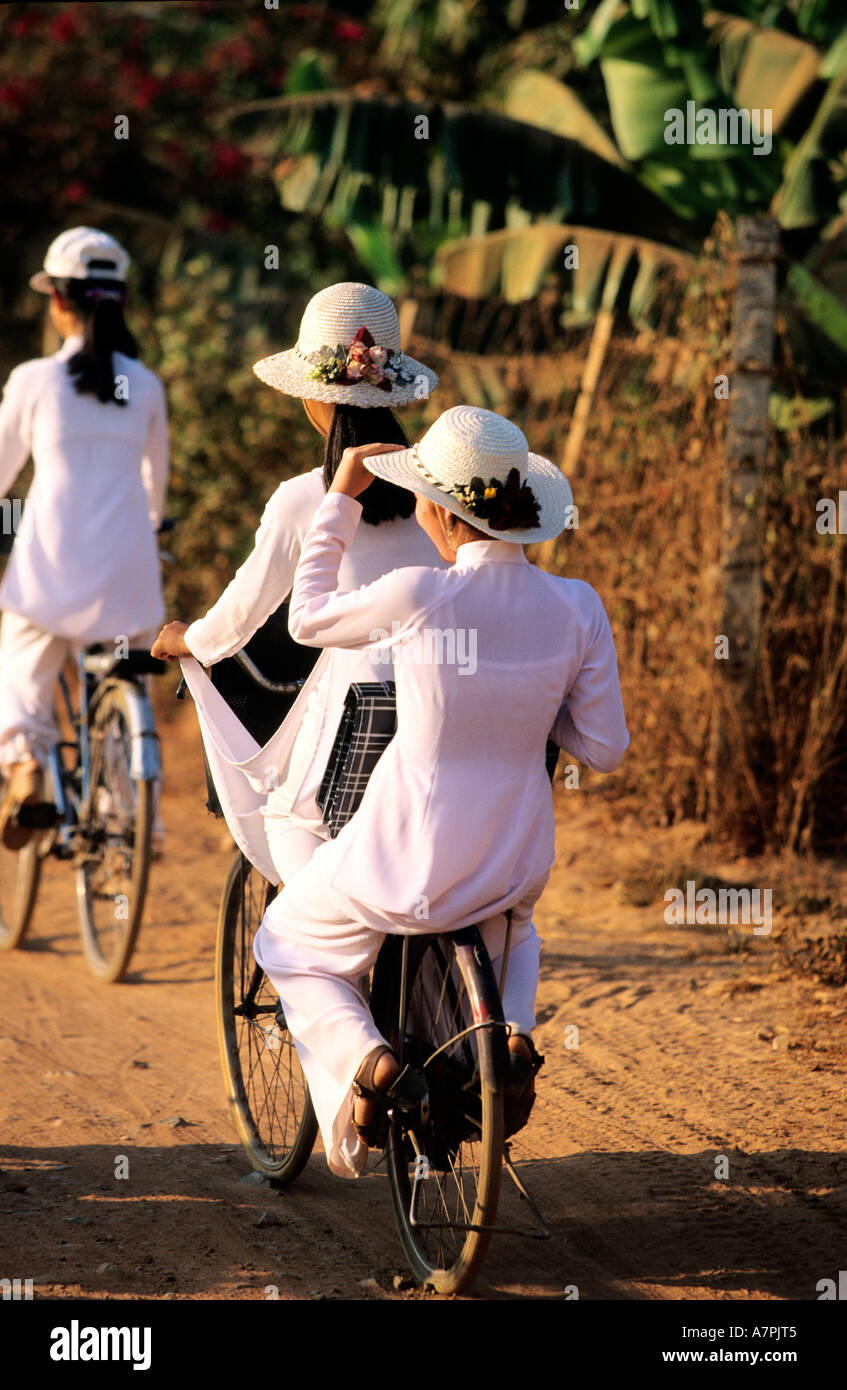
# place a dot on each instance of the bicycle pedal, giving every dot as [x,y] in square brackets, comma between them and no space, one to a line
[409,1090]
[39,815]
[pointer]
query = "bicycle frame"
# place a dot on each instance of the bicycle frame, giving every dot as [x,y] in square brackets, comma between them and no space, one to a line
[67,800]
[145,760]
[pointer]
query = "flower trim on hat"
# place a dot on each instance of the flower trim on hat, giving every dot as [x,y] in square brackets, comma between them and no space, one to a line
[363,361]
[509,506]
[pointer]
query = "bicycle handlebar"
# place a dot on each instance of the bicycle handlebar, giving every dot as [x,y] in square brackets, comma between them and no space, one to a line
[244,661]
[276,687]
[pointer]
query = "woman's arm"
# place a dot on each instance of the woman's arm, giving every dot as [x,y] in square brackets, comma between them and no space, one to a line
[590,724]
[154,464]
[260,584]
[15,426]
[320,615]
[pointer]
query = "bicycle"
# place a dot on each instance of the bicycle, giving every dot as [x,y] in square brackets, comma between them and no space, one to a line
[436,1000]
[99,816]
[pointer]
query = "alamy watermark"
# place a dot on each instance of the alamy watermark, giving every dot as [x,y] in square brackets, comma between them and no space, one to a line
[16,519]
[705,907]
[727,126]
[432,646]
[832,515]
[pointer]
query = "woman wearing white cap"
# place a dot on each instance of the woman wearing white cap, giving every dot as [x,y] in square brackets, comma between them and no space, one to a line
[349,370]
[458,813]
[84,566]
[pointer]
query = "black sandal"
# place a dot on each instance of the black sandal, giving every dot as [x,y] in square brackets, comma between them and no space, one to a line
[519,1092]
[406,1091]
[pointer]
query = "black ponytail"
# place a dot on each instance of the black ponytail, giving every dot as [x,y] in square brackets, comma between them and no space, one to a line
[99,303]
[352,425]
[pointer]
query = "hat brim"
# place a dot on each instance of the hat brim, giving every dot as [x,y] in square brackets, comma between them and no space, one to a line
[287,372]
[551,487]
[41,282]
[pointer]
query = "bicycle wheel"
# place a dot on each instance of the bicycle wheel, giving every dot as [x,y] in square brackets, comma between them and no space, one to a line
[445,1161]
[19,877]
[268,1096]
[113,858]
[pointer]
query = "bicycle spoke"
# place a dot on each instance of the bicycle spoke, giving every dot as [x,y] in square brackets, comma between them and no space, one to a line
[262,1064]
[112,842]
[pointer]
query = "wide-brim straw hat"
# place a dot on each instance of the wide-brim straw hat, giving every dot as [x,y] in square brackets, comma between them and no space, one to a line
[468,442]
[332,319]
[81,253]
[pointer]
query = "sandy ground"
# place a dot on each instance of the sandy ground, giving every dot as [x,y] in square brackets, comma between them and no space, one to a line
[693,1043]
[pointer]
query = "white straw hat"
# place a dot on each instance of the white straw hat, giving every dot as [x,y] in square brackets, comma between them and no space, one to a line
[464,462]
[332,320]
[70,257]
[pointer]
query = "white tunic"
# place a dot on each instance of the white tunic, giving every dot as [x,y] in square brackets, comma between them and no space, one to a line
[457,821]
[85,563]
[282,779]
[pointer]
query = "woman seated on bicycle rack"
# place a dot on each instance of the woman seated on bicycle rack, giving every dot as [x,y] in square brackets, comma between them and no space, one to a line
[456,825]
[348,406]
[85,564]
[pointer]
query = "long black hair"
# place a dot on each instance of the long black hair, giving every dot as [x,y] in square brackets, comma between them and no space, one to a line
[351,426]
[100,305]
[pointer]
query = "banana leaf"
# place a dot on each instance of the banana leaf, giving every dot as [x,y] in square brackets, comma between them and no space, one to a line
[342,151]
[513,264]
[819,304]
[763,68]
[808,194]
[540,100]
[797,412]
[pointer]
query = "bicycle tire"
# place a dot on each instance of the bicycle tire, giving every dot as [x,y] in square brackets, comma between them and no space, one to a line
[268,1095]
[119,824]
[464,1112]
[20,874]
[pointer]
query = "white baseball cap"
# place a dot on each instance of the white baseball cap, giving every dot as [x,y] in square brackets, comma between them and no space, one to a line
[81,253]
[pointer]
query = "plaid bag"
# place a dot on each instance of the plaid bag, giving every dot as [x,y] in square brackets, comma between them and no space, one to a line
[367,726]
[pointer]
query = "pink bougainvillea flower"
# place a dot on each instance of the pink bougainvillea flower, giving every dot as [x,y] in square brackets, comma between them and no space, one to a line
[13,94]
[64,28]
[348,31]
[228,161]
[24,24]
[147,89]
[218,222]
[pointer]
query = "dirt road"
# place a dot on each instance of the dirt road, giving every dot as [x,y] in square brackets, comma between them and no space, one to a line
[689,1047]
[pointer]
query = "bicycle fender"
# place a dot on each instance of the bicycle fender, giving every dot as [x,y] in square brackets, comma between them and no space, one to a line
[145,762]
[485,1002]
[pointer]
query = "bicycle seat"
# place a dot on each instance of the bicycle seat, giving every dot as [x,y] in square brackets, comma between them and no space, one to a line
[137,662]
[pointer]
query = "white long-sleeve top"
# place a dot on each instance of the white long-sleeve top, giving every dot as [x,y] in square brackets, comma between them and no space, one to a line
[283,778]
[457,821]
[85,563]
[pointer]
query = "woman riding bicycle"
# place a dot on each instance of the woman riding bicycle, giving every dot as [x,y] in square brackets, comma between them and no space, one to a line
[85,566]
[456,825]
[347,393]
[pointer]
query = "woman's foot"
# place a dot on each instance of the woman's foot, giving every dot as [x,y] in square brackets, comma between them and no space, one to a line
[25,788]
[519,1093]
[374,1079]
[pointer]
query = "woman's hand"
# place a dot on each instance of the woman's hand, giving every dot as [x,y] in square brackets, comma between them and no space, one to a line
[170,643]
[351,476]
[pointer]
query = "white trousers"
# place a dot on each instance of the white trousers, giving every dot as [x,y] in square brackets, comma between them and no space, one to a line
[30,662]
[316,959]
